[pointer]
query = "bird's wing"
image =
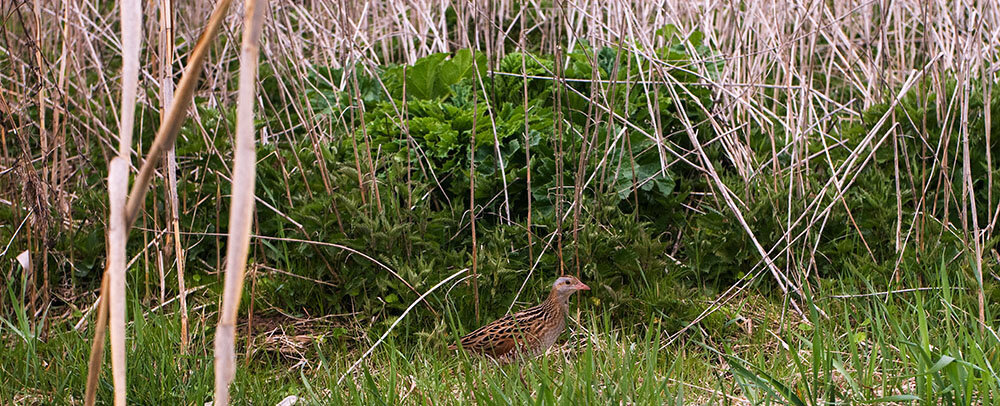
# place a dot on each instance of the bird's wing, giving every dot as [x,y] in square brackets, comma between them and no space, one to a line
[500,337]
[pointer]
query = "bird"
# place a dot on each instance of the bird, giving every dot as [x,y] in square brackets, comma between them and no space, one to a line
[527,333]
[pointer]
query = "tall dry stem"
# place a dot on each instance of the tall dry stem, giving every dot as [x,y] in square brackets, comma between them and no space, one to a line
[97,345]
[241,211]
[472,199]
[117,239]
[166,97]
[522,44]
[131,19]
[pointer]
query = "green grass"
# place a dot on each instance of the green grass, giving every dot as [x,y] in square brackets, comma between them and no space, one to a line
[915,347]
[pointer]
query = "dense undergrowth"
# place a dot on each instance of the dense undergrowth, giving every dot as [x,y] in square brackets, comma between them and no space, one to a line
[637,222]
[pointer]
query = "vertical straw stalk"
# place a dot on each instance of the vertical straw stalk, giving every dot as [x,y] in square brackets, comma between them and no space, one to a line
[97,345]
[117,239]
[131,14]
[472,195]
[241,211]
[166,96]
[527,130]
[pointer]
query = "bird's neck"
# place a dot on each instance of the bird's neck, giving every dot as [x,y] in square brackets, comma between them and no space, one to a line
[558,302]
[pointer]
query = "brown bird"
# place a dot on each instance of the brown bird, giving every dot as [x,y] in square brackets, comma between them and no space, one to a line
[527,333]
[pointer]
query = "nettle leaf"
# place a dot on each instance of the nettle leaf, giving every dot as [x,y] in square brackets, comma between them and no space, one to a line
[433,76]
[669,32]
[462,96]
[696,38]
[580,66]
[421,79]
[455,69]
[511,88]
[645,172]
[463,120]
[664,184]
[606,59]
[484,132]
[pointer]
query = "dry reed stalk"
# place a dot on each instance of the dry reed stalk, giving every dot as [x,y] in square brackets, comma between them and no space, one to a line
[117,239]
[527,130]
[131,22]
[590,127]
[472,196]
[59,121]
[241,211]
[41,63]
[97,345]
[404,124]
[969,191]
[34,243]
[492,60]
[496,146]
[988,121]
[113,287]
[166,97]
[559,93]
[161,265]
[608,147]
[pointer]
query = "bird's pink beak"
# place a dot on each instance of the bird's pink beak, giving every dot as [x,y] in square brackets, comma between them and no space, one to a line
[581,286]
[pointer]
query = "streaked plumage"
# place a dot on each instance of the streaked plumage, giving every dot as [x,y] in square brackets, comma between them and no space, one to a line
[529,332]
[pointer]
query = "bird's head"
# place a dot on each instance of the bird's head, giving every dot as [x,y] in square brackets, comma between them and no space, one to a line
[566,286]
